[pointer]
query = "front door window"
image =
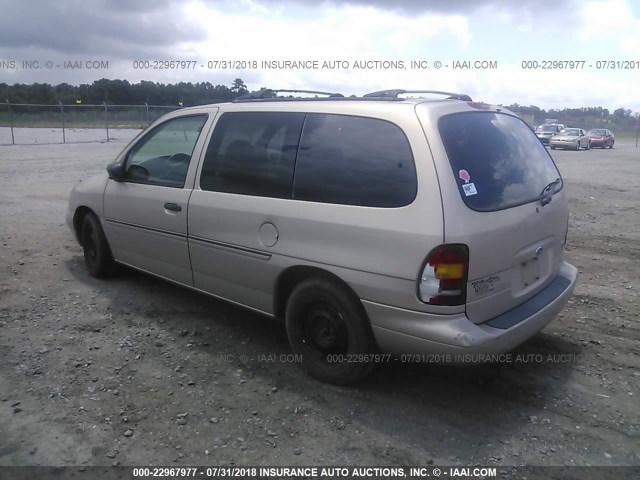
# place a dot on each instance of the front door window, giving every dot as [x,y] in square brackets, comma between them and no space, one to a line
[163,155]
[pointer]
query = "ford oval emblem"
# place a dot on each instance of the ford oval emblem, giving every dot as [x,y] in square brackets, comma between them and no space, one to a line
[539,250]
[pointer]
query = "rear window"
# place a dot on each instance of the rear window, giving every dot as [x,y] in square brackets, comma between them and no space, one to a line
[496,160]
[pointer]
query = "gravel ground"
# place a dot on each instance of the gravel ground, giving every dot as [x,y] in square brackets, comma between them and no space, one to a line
[134,370]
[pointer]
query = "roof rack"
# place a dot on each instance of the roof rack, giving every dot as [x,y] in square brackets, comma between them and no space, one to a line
[270,94]
[396,92]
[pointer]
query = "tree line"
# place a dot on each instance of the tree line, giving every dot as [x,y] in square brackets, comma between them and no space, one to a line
[121,92]
[585,115]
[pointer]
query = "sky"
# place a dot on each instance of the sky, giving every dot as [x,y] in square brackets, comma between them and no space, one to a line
[492,50]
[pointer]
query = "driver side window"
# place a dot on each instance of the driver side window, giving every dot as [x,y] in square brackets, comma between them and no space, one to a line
[163,155]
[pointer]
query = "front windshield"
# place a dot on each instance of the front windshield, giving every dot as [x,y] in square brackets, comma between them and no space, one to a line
[570,132]
[598,132]
[548,128]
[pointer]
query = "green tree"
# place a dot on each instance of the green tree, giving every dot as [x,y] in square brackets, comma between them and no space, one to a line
[238,87]
[621,113]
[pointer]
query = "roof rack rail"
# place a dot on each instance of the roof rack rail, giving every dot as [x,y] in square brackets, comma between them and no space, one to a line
[394,94]
[271,94]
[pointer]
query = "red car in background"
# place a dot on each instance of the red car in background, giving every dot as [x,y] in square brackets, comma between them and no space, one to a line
[601,137]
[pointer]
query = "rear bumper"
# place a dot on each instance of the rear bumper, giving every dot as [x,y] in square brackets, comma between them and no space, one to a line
[399,331]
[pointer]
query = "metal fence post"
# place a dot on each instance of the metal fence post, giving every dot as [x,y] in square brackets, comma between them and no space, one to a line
[13,140]
[64,138]
[106,118]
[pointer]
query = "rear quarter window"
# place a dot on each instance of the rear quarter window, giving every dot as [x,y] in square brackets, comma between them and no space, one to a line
[253,153]
[497,161]
[353,160]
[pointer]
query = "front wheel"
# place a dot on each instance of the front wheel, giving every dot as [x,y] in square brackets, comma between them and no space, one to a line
[328,327]
[97,254]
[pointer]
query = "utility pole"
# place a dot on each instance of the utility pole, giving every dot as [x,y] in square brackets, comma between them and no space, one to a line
[64,138]
[106,119]
[13,140]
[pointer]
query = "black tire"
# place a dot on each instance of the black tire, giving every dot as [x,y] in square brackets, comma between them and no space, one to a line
[553,148]
[328,327]
[97,254]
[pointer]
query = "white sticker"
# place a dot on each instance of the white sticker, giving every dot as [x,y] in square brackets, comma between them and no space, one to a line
[469,189]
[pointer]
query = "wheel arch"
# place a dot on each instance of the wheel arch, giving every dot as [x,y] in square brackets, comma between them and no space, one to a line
[292,276]
[78,217]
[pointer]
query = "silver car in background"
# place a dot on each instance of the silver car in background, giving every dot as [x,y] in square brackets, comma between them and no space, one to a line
[570,138]
[371,224]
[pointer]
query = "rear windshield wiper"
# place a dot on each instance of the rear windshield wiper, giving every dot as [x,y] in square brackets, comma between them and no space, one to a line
[547,192]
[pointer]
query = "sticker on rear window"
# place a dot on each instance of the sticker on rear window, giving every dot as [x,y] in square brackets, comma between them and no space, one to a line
[469,189]
[464,175]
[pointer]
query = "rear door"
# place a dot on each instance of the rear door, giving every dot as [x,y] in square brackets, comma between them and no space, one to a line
[235,209]
[503,197]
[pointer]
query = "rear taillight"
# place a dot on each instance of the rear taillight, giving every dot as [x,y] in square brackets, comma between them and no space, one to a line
[444,278]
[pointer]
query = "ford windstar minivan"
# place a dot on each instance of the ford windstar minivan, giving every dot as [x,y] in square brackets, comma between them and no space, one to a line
[398,222]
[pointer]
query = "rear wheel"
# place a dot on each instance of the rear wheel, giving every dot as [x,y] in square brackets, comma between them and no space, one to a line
[328,327]
[97,254]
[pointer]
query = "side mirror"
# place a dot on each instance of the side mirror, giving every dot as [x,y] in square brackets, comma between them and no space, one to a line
[116,171]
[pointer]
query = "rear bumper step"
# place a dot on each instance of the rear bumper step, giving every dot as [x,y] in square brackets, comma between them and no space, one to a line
[531,306]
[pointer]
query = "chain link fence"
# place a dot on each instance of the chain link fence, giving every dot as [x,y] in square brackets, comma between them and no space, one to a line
[26,123]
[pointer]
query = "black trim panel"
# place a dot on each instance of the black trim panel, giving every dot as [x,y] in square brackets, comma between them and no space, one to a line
[212,243]
[228,246]
[142,227]
[531,306]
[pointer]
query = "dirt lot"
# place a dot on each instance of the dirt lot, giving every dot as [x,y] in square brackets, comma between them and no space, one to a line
[136,371]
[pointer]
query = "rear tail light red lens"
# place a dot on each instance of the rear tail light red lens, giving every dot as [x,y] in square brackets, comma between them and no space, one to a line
[444,278]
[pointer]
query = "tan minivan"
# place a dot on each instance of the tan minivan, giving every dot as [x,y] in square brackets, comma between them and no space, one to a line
[372,225]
